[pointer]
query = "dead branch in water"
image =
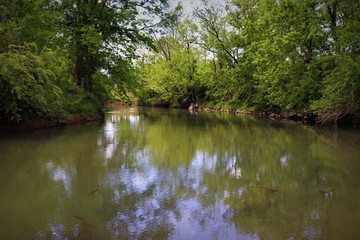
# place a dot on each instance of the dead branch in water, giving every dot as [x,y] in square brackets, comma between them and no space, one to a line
[345,108]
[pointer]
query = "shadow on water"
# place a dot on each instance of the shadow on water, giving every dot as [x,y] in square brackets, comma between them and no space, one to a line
[167,174]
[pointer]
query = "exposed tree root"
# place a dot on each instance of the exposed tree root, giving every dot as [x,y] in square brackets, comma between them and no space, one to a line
[345,109]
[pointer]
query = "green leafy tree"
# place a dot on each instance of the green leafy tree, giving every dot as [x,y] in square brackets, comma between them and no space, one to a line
[341,88]
[26,84]
[49,44]
[103,34]
[27,21]
[170,76]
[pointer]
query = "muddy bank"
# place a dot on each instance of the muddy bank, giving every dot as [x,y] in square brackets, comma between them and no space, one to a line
[117,104]
[350,121]
[307,117]
[43,122]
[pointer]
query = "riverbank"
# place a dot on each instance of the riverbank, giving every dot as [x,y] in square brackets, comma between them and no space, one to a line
[44,122]
[303,117]
[308,118]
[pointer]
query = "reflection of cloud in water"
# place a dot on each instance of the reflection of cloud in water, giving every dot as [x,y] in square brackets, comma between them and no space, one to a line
[194,218]
[58,231]
[311,233]
[109,130]
[284,160]
[109,151]
[204,161]
[134,119]
[241,191]
[201,162]
[111,141]
[187,219]
[144,219]
[59,174]
[231,167]
[99,141]
[138,179]
[141,180]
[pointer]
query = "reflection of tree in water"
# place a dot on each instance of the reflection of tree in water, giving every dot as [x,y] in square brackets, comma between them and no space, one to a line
[149,199]
[131,182]
[164,174]
[284,182]
[270,181]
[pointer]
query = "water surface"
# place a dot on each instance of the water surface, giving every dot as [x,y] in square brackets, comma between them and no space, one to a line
[168,174]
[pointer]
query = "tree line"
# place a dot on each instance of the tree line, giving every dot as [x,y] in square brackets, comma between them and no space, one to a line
[69,57]
[60,58]
[262,55]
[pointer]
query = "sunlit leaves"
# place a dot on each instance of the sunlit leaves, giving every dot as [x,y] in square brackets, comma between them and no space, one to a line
[25,82]
[170,76]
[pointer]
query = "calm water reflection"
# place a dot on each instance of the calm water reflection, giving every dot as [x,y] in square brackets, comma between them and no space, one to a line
[167,174]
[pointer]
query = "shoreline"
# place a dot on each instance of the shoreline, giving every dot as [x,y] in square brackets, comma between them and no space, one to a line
[44,123]
[306,118]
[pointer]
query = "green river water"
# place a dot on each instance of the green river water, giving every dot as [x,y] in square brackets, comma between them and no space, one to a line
[169,174]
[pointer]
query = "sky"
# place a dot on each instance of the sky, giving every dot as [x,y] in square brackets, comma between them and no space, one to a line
[190,5]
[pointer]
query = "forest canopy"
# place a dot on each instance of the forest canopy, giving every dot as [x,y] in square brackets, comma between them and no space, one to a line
[60,58]
[72,56]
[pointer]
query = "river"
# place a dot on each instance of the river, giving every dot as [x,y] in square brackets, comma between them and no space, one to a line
[169,174]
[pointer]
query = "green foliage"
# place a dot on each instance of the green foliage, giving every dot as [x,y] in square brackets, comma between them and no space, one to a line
[103,33]
[24,21]
[58,56]
[64,58]
[30,88]
[279,55]
[25,82]
[120,82]
[341,88]
[172,78]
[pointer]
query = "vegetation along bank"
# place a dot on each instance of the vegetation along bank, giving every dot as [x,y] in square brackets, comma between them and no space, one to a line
[62,60]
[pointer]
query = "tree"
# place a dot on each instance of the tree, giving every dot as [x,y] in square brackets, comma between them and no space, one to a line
[341,88]
[27,21]
[25,82]
[91,43]
[171,76]
[101,33]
